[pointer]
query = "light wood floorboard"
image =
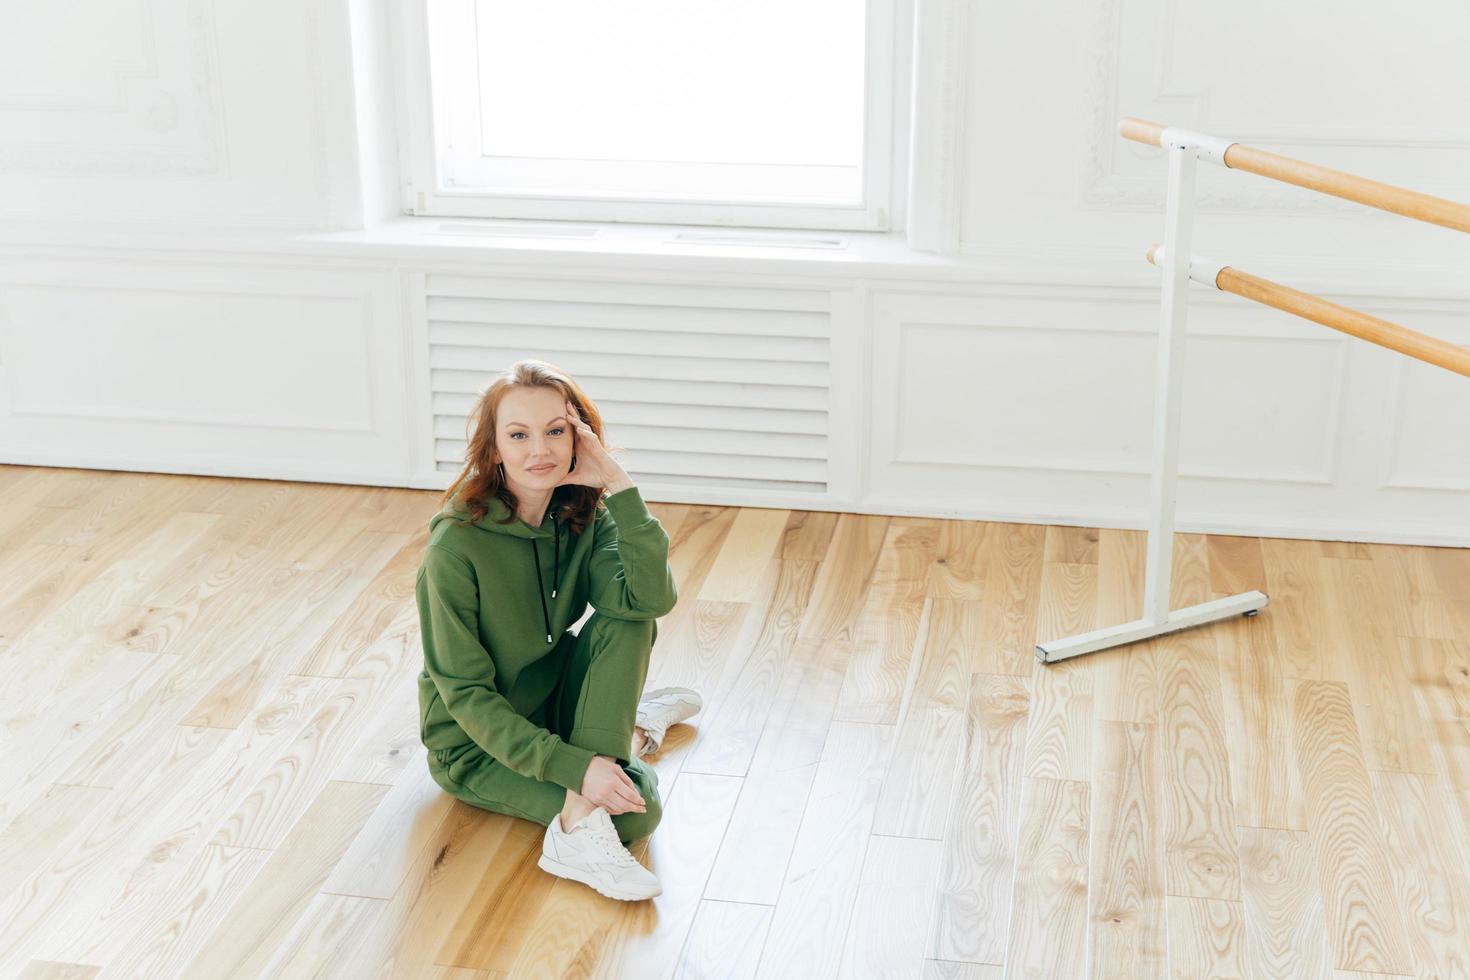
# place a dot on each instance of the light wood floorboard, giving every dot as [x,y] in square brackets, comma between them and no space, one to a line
[211,763]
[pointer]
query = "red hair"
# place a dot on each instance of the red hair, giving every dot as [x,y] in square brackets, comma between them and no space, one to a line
[480,480]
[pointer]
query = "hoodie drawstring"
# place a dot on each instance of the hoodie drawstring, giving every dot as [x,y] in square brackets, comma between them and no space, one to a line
[555,574]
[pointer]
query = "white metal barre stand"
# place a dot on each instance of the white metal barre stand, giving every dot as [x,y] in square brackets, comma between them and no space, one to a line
[1184,150]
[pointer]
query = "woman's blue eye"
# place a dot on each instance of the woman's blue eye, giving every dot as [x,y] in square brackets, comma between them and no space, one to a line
[558,429]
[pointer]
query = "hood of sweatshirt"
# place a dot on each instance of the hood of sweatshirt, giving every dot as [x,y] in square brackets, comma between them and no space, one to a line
[518,528]
[550,527]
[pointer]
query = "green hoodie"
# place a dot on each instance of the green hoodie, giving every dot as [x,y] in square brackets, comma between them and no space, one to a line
[494,600]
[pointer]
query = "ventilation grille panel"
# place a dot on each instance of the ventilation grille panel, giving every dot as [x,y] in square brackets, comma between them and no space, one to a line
[699,387]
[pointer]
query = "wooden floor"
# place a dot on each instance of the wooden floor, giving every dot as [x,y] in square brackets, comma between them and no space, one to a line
[211,765]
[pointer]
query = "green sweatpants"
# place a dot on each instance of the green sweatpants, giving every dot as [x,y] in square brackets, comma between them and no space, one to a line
[593,705]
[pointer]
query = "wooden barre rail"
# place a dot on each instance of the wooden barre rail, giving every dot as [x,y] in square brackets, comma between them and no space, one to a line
[1386,197]
[1423,347]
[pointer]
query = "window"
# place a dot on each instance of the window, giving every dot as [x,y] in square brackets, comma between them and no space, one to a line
[765,113]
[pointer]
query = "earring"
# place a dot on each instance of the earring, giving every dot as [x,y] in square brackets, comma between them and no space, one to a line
[501,467]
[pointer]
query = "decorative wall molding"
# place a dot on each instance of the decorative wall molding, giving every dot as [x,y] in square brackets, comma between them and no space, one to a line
[927,439]
[248,417]
[194,103]
[1323,476]
[1103,187]
[180,117]
[1450,418]
[306,378]
[116,99]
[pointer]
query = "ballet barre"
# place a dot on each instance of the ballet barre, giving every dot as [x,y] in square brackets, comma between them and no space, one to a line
[1180,267]
[1324,180]
[1364,326]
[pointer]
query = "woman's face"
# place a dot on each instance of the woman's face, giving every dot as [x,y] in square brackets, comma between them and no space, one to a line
[532,430]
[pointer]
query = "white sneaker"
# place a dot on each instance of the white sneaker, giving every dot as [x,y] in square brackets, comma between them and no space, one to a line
[592,853]
[659,709]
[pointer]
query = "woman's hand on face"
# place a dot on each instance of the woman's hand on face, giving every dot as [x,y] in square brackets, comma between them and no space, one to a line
[595,468]
[607,786]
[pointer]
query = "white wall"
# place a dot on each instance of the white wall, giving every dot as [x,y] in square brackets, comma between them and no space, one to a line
[182,287]
[183,113]
[1373,89]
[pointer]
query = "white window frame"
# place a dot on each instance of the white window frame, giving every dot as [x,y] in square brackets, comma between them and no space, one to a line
[425,191]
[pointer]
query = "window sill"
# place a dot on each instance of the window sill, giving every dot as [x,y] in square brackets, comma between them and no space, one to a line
[781,249]
[693,248]
[587,246]
[570,247]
